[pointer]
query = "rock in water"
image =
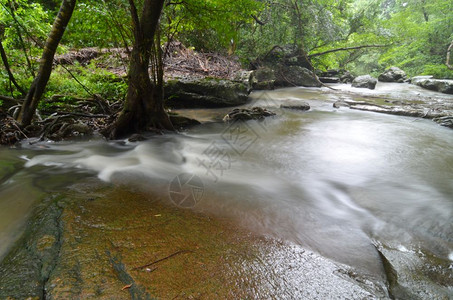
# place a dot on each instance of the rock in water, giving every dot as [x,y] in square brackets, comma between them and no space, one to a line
[440,85]
[181,122]
[284,76]
[206,92]
[329,79]
[283,67]
[364,81]
[297,105]
[393,74]
[255,113]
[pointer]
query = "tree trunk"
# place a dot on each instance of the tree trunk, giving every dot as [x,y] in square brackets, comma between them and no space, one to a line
[447,62]
[39,84]
[144,102]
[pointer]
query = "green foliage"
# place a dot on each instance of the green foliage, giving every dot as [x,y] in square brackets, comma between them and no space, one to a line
[99,24]
[418,33]
[256,39]
[97,81]
[6,88]
[26,25]
[438,71]
[208,25]
[421,32]
[315,26]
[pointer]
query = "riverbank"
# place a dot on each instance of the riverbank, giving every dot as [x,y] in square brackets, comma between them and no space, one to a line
[110,242]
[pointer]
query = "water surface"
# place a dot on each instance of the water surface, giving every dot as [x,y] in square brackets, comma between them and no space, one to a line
[340,182]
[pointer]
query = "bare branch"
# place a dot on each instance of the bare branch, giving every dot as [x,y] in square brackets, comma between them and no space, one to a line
[6,98]
[258,20]
[346,49]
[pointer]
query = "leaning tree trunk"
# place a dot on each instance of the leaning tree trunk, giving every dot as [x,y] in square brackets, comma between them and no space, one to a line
[143,107]
[45,69]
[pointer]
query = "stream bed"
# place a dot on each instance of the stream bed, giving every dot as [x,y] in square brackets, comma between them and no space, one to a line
[372,193]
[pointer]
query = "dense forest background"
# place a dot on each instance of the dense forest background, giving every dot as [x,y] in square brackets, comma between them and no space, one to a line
[369,36]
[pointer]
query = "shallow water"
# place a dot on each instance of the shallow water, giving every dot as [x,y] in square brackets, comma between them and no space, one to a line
[339,182]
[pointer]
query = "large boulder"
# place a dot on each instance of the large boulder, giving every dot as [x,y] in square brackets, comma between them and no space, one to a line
[247,78]
[264,79]
[393,74]
[206,92]
[282,67]
[267,78]
[428,82]
[364,81]
[296,76]
[347,77]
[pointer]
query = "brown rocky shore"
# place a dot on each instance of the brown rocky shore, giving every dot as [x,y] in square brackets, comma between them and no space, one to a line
[100,241]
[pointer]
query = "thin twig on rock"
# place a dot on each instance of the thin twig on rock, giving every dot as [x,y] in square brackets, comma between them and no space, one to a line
[162,259]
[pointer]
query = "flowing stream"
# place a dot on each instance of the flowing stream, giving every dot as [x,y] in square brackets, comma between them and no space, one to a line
[337,181]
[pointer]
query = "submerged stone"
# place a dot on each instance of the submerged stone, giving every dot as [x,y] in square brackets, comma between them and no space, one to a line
[297,105]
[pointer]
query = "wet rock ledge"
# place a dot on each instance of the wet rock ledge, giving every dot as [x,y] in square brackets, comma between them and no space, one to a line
[440,111]
[108,242]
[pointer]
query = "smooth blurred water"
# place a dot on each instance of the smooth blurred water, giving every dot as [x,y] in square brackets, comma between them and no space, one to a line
[335,181]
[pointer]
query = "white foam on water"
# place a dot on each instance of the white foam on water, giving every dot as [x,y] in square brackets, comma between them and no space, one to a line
[24,157]
[402,248]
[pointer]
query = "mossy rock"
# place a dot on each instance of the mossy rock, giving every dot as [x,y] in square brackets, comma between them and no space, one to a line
[205,92]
